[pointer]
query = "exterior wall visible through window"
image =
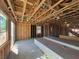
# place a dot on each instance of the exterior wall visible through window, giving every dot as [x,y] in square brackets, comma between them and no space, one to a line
[38,29]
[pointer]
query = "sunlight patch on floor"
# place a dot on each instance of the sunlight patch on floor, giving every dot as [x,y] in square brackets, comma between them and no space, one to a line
[15,50]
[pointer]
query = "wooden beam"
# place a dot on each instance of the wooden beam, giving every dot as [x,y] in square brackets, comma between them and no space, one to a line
[24,9]
[36,9]
[61,10]
[30,3]
[70,12]
[8,1]
[38,1]
[18,7]
[27,2]
[18,13]
[51,8]
[68,7]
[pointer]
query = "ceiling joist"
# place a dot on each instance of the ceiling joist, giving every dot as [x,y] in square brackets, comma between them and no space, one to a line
[51,8]
[36,9]
[30,3]
[24,9]
[60,11]
[9,3]
[70,12]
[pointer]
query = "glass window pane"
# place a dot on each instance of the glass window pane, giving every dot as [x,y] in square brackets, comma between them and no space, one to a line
[2,24]
[2,29]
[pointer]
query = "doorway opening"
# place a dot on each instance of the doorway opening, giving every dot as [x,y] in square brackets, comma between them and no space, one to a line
[12,34]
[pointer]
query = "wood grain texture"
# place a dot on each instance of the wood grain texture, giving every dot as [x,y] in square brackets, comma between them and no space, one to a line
[23,30]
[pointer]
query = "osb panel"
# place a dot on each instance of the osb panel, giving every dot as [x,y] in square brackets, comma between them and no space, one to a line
[23,31]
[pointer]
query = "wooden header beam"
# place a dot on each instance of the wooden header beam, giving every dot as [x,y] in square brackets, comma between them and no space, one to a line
[8,1]
[36,9]
[24,9]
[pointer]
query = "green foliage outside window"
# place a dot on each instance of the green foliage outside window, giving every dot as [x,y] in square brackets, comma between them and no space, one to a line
[2,23]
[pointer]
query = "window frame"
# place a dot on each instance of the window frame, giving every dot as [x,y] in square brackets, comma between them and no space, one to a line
[6,38]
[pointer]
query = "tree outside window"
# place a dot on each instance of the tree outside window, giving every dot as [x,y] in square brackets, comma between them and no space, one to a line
[2,28]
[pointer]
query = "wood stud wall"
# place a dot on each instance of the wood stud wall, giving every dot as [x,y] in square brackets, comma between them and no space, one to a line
[4,50]
[23,30]
[53,29]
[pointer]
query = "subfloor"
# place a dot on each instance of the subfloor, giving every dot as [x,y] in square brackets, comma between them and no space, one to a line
[25,50]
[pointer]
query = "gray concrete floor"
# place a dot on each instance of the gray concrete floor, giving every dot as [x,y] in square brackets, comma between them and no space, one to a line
[25,50]
[62,50]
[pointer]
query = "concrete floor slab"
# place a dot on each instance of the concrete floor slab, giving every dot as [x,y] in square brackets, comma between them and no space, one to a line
[25,50]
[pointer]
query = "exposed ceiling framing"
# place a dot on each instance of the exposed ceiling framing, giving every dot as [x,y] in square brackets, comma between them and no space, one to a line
[36,11]
[59,11]
[37,8]
[51,8]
